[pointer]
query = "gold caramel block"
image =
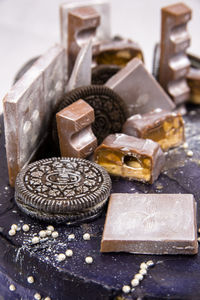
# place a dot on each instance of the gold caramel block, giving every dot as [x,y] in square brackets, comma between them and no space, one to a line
[165,128]
[130,157]
[193,80]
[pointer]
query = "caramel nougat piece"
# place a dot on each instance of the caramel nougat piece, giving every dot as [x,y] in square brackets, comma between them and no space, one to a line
[193,80]
[130,157]
[165,128]
[152,224]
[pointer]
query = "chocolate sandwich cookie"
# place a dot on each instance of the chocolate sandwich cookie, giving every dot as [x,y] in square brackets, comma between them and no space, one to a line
[62,189]
[101,73]
[110,110]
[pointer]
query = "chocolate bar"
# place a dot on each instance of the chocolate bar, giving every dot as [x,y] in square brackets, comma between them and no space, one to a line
[75,134]
[151,224]
[130,157]
[174,63]
[165,128]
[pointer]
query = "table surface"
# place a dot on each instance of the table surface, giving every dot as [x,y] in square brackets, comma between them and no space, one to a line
[29,27]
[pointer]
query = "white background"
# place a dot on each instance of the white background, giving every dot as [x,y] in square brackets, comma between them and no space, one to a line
[29,27]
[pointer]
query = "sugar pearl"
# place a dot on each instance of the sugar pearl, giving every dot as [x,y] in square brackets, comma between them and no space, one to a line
[89,260]
[185,145]
[138,276]
[61,257]
[50,227]
[71,237]
[12,288]
[134,282]
[198,239]
[86,236]
[25,228]
[47,298]
[30,279]
[48,232]
[126,289]
[37,296]
[69,252]
[14,227]
[143,266]
[150,263]
[42,233]
[143,272]
[55,234]
[35,240]
[12,232]
[199,230]
[189,153]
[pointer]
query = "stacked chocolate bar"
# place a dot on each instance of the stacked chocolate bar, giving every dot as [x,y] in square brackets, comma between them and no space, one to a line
[85,109]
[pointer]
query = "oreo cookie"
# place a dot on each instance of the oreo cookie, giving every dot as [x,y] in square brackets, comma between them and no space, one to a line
[101,73]
[110,110]
[60,189]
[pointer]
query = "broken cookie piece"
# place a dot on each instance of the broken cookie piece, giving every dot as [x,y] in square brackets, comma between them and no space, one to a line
[151,224]
[130,157]
[165,128]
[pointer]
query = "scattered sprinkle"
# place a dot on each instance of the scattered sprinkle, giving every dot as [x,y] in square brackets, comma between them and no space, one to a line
[61,257]
[12,232]
[30,279]
[71,237]
[198,240]
[55,234]
[12,288]
[69,252]
[199,230]
[43,233]
[138,276]
[143,266]
[35,240]
[50,227]
[185,145]
[150,263]
[14,227]
[47,298]
[89,260]
[86,236]
[126,289]
[134,282]
[48,232]
[189,153]
[143,271]
[25,227]
[37,296]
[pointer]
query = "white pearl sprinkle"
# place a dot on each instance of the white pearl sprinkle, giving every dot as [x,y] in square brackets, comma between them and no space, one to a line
[185,145]
[61,257]
[198,239]
[12,232]
[30,279]
[86,236]
[25,228]
[143,266]
[143,271]
[138,276]
[47,298]
[199,230]
[69,252]
[190,153]
[42,233]
[150,263]
[126,289]
[14,227]
[48,232]
[12,288]
[37,296]
[55,234]
[134,282]
[35,240]
[71,237]
[50,227]
[89,260]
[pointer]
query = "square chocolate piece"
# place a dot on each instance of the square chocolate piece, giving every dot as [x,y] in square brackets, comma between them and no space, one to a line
[151,224]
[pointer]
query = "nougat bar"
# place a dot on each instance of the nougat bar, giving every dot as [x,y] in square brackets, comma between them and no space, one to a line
[151,224]
[165,128]
[130,157]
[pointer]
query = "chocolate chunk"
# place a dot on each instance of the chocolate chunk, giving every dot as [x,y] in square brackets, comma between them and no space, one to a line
[151,224]
[109,108]
[101,73]
[130,157]
[165,128]
[139,90]
[174,63]
[62,189]
[193,80]
[117,51]
[76,138]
